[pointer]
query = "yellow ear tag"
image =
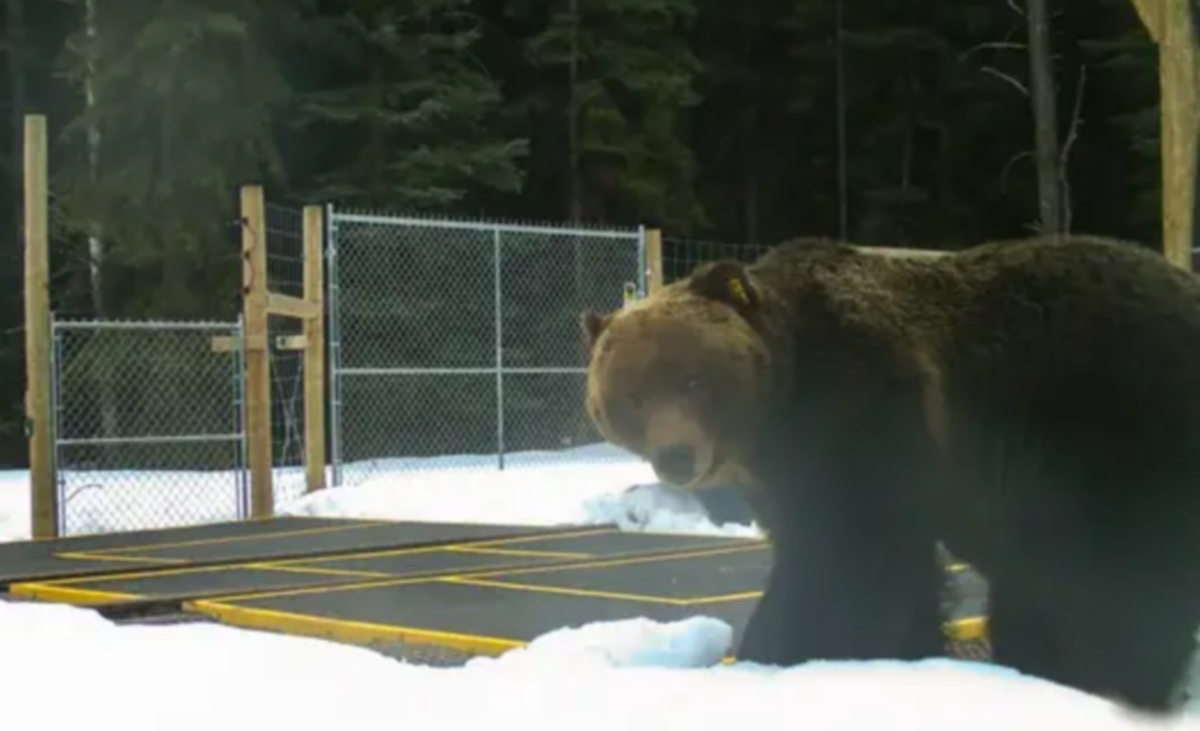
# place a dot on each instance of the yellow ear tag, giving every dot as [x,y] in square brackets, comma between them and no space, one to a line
[738,291]
[629,294]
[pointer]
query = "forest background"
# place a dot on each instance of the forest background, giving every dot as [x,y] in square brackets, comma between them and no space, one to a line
[917,123]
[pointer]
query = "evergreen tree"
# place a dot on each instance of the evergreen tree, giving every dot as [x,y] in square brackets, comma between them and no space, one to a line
[183,98]
[615,83]
[710,119]
[764,128]
[1131,119]
[406,114]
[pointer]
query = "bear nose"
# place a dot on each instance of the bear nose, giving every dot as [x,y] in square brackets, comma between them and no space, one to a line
[676,463]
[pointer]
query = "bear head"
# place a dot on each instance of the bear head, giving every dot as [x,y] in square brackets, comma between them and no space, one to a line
[682,377]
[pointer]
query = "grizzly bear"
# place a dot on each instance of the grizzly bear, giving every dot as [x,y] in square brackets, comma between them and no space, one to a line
[1033,405]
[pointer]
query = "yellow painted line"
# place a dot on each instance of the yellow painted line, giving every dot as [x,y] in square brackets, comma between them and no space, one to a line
[348,573]
[740,596]
[517,552]
[189,570]
[682,555]
[678,534]
[561,590]
[360,556]
[143,574]
[366,633]
[559,535]
[359,633]
[473,544]
[357,586]
[494,571]
[956,567]
[240,539]
[89,556]
[55,594]
[171,529]
[371,577]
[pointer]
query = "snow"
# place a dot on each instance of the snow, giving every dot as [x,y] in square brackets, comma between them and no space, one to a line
[66,668]
[590,485]
[71,669]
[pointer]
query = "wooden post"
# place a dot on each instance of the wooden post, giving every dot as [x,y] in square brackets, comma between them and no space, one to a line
[314,352]
[44,495]
[1169,24]
[1177,74]
[258,363]
[654,260]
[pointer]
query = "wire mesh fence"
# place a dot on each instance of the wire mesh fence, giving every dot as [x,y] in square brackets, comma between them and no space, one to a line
[681,256]
[455,344]
[285,275]
[285,249]
[148,428]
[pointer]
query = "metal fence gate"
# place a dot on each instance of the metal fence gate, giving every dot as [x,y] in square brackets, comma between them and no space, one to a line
[148,424]
[457,343]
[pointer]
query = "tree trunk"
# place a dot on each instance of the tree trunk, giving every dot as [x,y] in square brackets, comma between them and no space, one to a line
[109,422]
[1042,96]
[16,72]
[574,192]
[840,80]
[95,247]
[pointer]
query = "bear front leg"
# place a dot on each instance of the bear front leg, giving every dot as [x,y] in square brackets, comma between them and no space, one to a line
[856,576]
[824,602]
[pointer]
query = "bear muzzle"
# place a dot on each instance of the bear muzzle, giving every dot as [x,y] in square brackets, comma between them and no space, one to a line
[675,463]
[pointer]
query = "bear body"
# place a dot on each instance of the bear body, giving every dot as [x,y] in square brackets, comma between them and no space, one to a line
[1032,405]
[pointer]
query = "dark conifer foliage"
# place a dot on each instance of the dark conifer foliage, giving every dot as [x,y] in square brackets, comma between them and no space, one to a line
[906,123]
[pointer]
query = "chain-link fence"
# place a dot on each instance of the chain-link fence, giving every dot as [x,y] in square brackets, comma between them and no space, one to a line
[148,428]
[456,344]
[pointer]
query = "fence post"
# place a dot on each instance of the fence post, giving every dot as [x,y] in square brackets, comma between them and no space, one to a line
[498,306]
[314,353]
[56,429]
[258,364]
[335,353]
[44,497]
[654,260]
[242,459]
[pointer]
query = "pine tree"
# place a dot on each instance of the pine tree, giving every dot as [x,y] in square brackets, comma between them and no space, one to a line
[408,114]
[1130,58]
[616,83]
[181,116]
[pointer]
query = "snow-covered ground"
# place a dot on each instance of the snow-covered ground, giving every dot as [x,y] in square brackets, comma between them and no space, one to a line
[64,668]
[67,669]
[582,486]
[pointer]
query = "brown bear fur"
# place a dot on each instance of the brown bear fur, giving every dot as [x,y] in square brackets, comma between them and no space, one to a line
[1035,405]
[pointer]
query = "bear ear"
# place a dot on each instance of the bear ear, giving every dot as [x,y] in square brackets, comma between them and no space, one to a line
[593,323]
[728,282]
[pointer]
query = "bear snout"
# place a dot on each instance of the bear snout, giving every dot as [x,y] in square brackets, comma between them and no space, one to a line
[675,463]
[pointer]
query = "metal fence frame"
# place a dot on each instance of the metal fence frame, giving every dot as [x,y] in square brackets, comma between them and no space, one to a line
[338,372]
[238,437]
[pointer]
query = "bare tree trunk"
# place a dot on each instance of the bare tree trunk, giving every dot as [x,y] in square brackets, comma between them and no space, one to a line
[108,407]
[574,192]
[95,248]
[842,175]
[16,71]
[1045,119]
[750,184]
[574,186]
